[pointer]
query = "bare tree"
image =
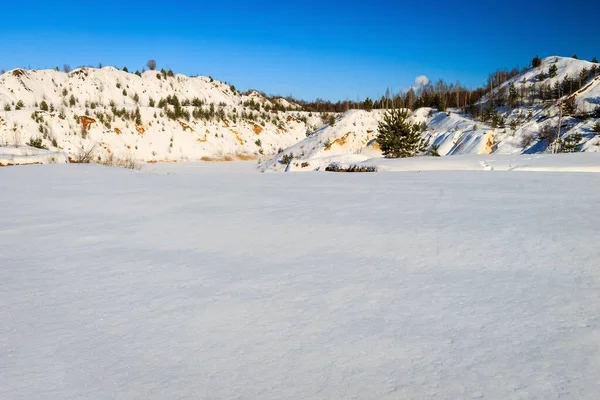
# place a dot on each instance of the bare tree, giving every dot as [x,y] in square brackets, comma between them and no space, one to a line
[66,68]
[151,64]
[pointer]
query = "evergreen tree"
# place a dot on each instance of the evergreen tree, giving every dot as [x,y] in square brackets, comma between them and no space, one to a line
[536,62]
[368,104]
[138,116]
[399,138]
[125,69]
[513,95]
[553,71]
[575,56]
[595,60]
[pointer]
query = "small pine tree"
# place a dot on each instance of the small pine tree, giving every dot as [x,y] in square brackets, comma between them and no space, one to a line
[125,69]
[536,62]
[552,72]
[138,116]
[595,60]
[575,56]
[19,105]
[571,143]
[368,104]
[596,128]
[72,101]
[7,107]
[44,105]
[399,138]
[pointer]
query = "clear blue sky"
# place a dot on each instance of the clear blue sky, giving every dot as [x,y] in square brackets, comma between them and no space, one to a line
[309,49]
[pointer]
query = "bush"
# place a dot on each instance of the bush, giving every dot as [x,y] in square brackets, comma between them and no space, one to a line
[352,168]
[571,143]
[19,105]
[596,128]
[287,158]
[7,107]
[72,101]
[37,143]
[527,139]
[44,105]
[434,150]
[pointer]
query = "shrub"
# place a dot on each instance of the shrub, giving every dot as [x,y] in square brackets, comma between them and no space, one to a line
[548,133]
[19,105]
[37,143]
[7,107]
[258,142]
[433,151]
[124,92]
[287,158]
[72,101]
[44,105]
[352,168]
[596,128]
[571,143]
[527,139]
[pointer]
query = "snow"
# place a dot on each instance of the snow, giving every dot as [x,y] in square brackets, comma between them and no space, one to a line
[158,138]
[574,162]
[29,155]
[214,281]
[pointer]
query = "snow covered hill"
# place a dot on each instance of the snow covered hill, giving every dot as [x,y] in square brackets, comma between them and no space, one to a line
[148,117]
[352,137]
[153,117]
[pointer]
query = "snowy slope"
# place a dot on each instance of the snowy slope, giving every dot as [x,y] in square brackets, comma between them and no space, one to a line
[352,137]
[431,285]
[98,92]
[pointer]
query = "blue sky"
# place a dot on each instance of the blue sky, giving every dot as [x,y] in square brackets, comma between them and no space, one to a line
[308,49]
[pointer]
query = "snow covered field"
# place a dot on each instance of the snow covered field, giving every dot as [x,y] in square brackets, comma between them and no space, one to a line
[214,281]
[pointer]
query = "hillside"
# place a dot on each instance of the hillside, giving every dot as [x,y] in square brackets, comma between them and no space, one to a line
[111,115]
[526,127]
[150,117]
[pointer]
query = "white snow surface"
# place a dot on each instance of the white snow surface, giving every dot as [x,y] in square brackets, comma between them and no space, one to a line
[214,281]
[29,155]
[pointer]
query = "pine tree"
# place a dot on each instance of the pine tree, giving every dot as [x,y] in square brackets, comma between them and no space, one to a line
[536,62]
[125,69]
[595,60]
[553,71]
[399,138]
[368,104]
[138,116]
